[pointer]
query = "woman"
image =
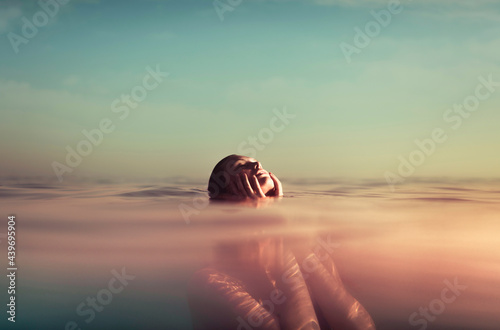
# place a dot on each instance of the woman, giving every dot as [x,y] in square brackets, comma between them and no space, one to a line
[264,282]
[238,177]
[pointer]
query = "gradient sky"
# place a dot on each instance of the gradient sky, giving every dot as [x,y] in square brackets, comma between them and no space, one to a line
[226,77]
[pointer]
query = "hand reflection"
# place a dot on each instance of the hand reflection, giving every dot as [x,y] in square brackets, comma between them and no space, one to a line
[252,203]
[264,285]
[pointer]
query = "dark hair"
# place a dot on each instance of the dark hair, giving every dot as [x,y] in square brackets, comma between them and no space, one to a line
[219,179]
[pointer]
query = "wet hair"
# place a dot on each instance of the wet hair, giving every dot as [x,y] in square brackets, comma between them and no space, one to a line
[219,179]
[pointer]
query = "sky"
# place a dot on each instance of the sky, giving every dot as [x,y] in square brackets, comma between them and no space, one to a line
[311,88]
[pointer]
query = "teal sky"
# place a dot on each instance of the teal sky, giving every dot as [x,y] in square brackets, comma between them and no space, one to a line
[226,77]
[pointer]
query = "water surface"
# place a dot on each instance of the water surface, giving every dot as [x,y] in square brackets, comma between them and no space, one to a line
[394,250]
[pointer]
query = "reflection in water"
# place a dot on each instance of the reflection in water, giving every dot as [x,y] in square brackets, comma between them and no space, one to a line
[273,283]
[250,203]
[395,253]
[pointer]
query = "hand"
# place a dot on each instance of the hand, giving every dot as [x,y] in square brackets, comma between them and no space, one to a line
[339,307]
[244,187]
[278,188]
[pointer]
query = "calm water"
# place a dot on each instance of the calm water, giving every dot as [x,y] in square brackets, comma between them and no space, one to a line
[393,250]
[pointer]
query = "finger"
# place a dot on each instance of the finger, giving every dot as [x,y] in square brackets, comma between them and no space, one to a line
[340,309]
[256,187]
[247,186]
[277,185]
[240,184]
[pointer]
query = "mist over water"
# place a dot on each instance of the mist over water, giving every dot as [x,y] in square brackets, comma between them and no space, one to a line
[395,251]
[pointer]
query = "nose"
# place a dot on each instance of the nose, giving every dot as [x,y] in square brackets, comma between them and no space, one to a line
[257,166]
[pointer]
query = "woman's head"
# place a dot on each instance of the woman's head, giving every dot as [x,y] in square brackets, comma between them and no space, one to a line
[230,175]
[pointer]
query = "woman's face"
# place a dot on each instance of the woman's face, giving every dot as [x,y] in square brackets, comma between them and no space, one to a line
[251,167]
